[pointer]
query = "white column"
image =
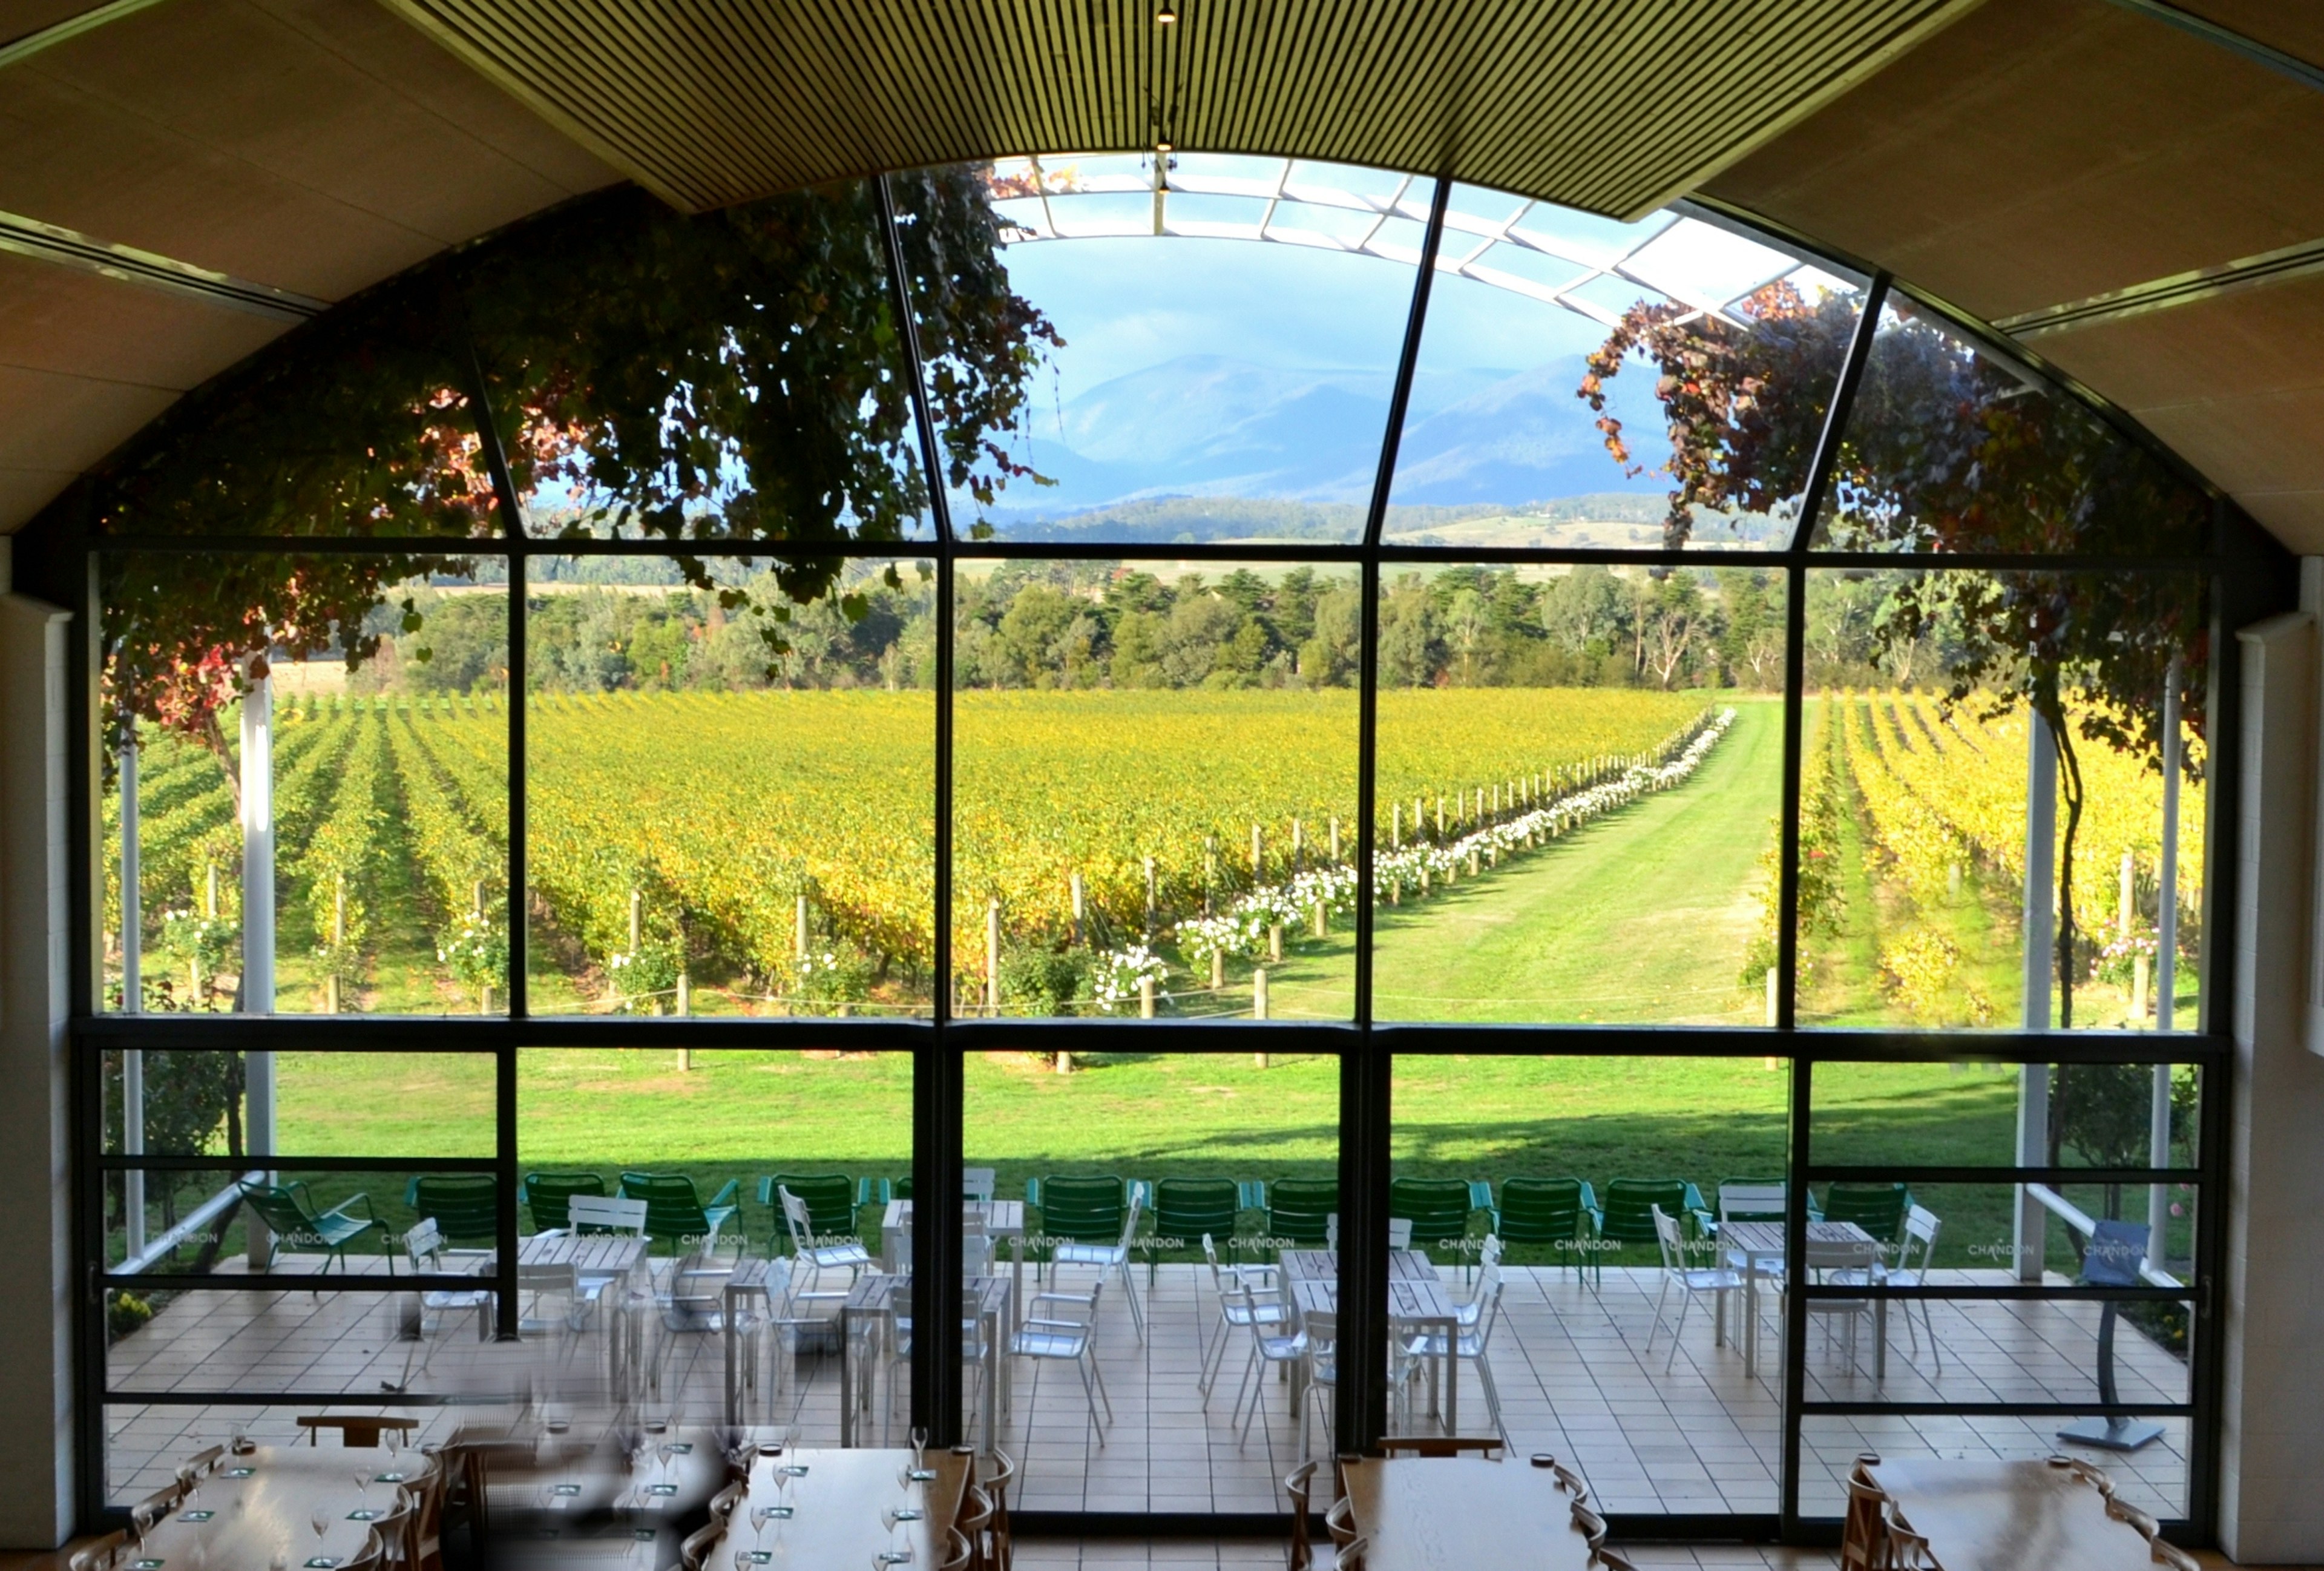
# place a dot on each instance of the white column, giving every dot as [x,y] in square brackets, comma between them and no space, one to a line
[258,928]
[2032,1230]
[133,999]
[2166,983]
[2272,1301]
[37,1300]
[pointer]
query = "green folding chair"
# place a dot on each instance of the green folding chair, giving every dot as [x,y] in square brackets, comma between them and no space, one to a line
[466,1206]
[1628,1214]
[1437,1208]
[1299,1211]
[1878,1208]
[675,1211]
[1185,1209]
[289,1212]
[1556,1214]
[546,1197]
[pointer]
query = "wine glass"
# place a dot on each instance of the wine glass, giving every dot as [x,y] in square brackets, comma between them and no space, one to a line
[363,1487]
[759,1514]
[321,1522]
[919,1450]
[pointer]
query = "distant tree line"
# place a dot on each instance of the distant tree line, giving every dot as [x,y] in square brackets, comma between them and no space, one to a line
[1096,624]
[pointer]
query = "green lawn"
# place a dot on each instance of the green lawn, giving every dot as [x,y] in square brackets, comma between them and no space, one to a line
[1641,915]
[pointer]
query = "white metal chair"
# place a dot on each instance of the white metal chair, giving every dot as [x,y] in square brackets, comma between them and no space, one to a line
[606,1214]
[1245,1313]
[976,1183]
[425,1249]
[1911,1269]
[1323,1373]
[1072,1338]
[1748,1202]
[1688,1280]
[1399,1231]
[1472,1347]
[1113,1257]
[1488,1282]
[1840,1262]
[1277,1349]
[846,1254]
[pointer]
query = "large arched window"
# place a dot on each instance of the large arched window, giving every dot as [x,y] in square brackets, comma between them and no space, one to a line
[1218,701]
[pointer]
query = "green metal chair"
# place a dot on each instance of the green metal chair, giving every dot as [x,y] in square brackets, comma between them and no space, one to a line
[675,1211]
[1878,1208]
[1081,1209]
[1558,1214]
[290,1214]
[1629,1214]
[1437,1208]
[830,1199]
[1299,1211]
[466,1206]
[1185,1209]
[547,1195]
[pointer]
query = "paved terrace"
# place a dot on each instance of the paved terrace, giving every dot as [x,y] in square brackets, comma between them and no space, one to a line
[1571,1362]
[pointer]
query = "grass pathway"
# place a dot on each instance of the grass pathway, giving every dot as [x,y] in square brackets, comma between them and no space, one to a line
[1644,915]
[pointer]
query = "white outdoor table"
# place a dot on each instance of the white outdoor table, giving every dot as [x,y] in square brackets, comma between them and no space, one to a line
[989,1298]
[617,1255]
[1416,1299]
[1001,1218]
[1761,1244]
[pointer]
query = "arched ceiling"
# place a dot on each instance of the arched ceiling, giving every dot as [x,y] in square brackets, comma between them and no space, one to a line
[2134,189]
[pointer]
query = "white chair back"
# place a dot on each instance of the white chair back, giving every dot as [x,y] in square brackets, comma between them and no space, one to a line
[424,1245]
[976,1183]
[606,1214]
[1841,1254]
[1753,1200]
[796,1222]
[1399,1232]
[1921,1226]
[1667,1237]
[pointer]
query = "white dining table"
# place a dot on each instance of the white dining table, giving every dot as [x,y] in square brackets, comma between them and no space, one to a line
[1760,1246]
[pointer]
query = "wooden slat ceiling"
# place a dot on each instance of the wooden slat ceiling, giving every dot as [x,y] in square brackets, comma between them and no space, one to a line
[1612,105]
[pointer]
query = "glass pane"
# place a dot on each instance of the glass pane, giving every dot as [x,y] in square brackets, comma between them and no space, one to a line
[1199,353]
[1239,1151]
[298,1104]
[241,1220]
[708,1141]
[1916,785]
[1523,1194]
[388,843]
[1155,781]
[1536,418]
[731,791]
[736,375]
[1579,772]
[1950,449]
[2153,1478]
[1965,1115]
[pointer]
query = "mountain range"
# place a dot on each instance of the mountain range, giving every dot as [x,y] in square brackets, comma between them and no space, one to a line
[1209,427]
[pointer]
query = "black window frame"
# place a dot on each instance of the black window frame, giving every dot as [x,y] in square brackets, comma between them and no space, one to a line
[2246,577]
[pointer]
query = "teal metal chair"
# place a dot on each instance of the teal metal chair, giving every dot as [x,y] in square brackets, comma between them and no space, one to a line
[464,1206]
[1081,1209]
[675,1211]
[289,1212]
[1437,1208]
[546,1197]
[1184,1210]
[1557,1213]
[1299,1211]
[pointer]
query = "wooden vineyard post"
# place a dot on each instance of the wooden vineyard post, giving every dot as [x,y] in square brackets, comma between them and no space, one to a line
[637,918]
[1395,826]
[1275,944]
[1210,869]
[1146,998]
[1323,919]
[1258,857]
[476,904]
[1218,970]
[1259,999]
[1075,893]
[1335,839]
[1774,1013]
[1440,818]
[1298,848]
[993,957]
[1153,901]
[798,929]
[1423,881]
[1064,1061]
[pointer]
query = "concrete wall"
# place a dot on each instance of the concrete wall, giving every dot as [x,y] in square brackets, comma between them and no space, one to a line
[36,1388]
[2271,1509]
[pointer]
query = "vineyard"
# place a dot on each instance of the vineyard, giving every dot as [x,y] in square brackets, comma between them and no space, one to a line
[1938,804]
[773,850]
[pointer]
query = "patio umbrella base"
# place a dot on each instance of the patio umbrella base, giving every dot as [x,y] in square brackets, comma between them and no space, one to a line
[2111,1434]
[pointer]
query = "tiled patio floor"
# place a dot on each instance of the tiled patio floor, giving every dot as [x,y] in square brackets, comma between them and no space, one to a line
[1570,1362]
